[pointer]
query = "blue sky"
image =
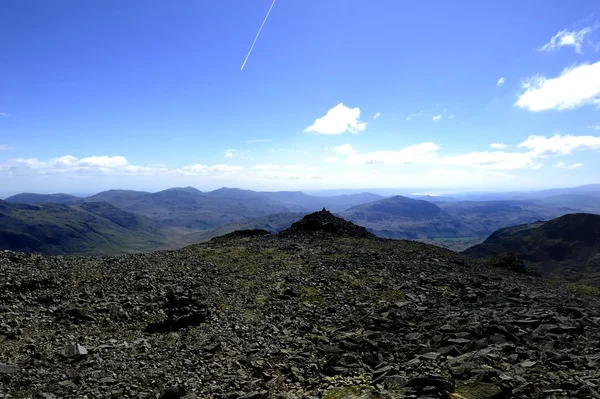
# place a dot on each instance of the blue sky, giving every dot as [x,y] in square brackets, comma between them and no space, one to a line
[335,94]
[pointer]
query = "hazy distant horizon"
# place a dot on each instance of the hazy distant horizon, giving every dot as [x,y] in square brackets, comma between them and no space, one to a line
[324,193]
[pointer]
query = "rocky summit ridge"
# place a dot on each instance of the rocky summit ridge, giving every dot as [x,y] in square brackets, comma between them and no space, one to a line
[314,312]
[324,222]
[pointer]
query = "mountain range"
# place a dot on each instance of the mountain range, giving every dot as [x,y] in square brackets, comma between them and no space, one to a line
[183,215]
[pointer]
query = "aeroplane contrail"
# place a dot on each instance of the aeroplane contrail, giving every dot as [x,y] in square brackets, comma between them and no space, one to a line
[258,34]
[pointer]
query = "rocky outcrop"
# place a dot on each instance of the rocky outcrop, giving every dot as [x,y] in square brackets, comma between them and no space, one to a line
[324,222]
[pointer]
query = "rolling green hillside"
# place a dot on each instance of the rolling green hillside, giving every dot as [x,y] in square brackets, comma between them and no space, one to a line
[567,247]
[97,228]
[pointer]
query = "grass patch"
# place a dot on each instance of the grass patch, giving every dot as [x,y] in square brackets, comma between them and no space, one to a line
[250,316]
[335,256]
[393,295]
[583,289]
[261,299]
[444,290]
[311,295]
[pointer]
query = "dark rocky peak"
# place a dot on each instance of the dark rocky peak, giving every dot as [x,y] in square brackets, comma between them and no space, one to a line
[324,222]
[243,234]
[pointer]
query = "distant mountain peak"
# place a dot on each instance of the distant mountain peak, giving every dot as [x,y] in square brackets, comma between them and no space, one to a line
[35,198]
[326,222]
[397,206]
[188,189]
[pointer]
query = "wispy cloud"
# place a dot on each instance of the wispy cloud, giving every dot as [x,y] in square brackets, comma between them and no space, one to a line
[229,154]
[331,159]
[428,153]
[346,149]
[69,164]
[564,38]
[253,141]
[339,119]
[4,114]
[500,81]
[415,115]
[104,165]
[377,115]
[232,153]
[574,87]
[4,147]
[595,127]
[560,145]
[418,153]
[562,165]
[499,146]
[286,151]
[205,170]
[437,117]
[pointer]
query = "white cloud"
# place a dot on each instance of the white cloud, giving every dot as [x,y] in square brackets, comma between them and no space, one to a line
[267,167]
[205,170]
[419,165]
[193,170]
[331,159]
[437,117]
[415,115]
[377,115]
[344,149]
[574,87]
[253,141]
[500,81]
[338,120]
[487,160]
[428,153]
[69,164]
[595,127]
[235,154]
[560,145]
[225,168]
[105,165]
[565,38]
[230,153]
[562,165]
[287,151]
